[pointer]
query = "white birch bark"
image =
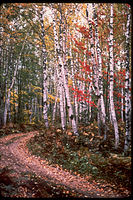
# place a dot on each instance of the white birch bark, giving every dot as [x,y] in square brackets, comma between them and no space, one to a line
[59,76]
[122,101]
[44,54]
[97,68]
[127,85]
[72,78]
[122,106]
[75,62]
[64,101]
[94,67]
[112,109]
[56,80]
[69,106]
[110,116]
[98,118]
[59,50]
[90,84]
[100,81]
[62,112]
[93,53]
[63,124]
[55,106]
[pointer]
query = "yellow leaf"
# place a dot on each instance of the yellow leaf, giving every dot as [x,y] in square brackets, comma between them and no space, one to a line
[58,100]
[69,57]
[51,97]
[70,82]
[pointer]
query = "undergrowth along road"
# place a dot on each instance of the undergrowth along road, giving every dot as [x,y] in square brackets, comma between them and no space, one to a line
[16,161]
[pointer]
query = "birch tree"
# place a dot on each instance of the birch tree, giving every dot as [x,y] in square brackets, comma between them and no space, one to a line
[69,106]
[127,85]
[58,69]
[59,49]
[112,109]
[99,73]
[44,55]
[73,81]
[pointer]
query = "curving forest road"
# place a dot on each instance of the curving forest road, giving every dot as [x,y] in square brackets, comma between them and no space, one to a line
[18,165]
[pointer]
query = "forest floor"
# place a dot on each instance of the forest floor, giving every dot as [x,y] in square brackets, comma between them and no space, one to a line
[51,164]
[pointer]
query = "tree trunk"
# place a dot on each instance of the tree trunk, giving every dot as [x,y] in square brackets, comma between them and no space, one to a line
[59,76]
[127,84]
[99,81]
[73,81]
[122,101]
[69,106]
[112,109]
[44,54]
[62,77]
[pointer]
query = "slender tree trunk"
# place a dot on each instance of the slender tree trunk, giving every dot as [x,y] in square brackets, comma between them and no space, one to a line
[98,72]
[93,53]
[57,92]
[122,101]
[44,54]
[69,106]
[73,81]
[94,67]
[127,84]
[112,109]
[78,117]
[55,107]
[63,121]
[100,81]
[98,118]
[59,75]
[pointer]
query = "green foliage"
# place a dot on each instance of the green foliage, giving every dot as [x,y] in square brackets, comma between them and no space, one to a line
[62,150]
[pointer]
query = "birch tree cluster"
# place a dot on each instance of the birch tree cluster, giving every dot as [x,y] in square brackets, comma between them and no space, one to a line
[66,64]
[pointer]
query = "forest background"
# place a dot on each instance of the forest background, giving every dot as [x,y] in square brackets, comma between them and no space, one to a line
[67,65]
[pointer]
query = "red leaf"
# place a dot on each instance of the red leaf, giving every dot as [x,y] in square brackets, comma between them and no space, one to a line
[88,52]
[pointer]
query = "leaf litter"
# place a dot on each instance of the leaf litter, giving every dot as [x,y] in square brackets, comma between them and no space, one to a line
[67,182]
